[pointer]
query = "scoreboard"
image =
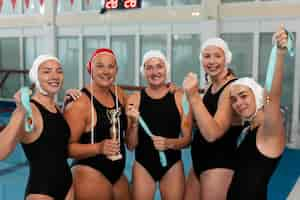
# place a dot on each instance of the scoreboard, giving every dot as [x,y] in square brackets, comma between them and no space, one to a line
[122,4]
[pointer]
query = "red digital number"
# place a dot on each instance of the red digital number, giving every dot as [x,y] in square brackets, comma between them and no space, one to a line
[130,4]
[111,4]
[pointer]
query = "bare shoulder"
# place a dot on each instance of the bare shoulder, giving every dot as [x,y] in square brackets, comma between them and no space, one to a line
[80,105]
[225,94]
[122,95]
[178,95]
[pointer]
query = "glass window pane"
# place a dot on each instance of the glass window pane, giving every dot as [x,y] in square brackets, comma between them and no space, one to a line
[124,48]
[92,4]
[289,70]
[66,6]
[150,3]
[34,7]
[68,53]
[10,59]
[152,42]
[33,47]
[9,9]
[90,44]
[185,2]
[241,45]
[185,56]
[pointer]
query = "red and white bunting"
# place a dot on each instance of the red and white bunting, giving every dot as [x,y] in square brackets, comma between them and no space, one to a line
[41,2]
[27,2]
[1,4]
[13,3]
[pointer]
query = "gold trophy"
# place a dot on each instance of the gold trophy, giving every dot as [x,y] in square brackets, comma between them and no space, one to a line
[114,117]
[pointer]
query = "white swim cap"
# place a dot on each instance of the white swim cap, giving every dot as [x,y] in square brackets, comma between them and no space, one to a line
[154,54]
[33,73]
[218,42]
[256,89]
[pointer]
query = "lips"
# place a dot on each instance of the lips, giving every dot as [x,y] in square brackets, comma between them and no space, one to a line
[54,84]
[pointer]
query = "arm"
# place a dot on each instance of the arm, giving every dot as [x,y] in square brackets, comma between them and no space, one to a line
[212,127]
[14,131]
[132,119]
[11,134]
[273,127]
[78,116]
[70,95]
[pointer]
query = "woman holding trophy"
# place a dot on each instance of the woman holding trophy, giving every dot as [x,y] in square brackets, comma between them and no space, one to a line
[97,121]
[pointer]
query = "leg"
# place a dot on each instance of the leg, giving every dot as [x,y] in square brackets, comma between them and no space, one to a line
[192,187]
[143,184]
[121,189]
[214,183]
[38,197]
[90,184]
[172,183]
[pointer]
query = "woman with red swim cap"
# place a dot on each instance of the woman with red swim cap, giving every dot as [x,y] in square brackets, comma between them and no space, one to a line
[99,112]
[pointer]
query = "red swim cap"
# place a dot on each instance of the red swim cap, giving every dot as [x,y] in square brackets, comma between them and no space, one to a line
[96,52]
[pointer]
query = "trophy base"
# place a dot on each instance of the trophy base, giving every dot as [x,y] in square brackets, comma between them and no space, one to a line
[115,157]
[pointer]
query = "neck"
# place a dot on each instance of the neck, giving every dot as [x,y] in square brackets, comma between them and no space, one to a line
[219,79]
[256,119]
[157,91]
[99,90]
[46,99]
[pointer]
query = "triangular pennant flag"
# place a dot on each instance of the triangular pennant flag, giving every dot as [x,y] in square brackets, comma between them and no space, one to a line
[41,2]
[13,3]
[27,3]
[88,2]
[72,2]
[1,4]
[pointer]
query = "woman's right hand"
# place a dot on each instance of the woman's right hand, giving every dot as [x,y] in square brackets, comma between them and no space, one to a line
[109,147]
[190,83]
[132,113]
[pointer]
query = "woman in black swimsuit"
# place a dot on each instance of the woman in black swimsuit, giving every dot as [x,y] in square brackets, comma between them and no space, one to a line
[264,141]
[91,119]
[217,130]
[46,147]
[163,113]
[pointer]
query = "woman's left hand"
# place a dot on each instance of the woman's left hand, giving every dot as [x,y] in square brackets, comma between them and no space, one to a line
[160,143]
[281,37]
[71,95]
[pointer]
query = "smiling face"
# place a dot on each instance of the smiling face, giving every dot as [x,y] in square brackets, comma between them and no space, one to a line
[242,101]
[104,69]
[50,75]
[213,60]
[155,71]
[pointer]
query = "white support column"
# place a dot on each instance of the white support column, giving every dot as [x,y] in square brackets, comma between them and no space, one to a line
[255,55]
[137,54]
[21,52]
[169,55]
[50,26]
[81,65]
[294,135]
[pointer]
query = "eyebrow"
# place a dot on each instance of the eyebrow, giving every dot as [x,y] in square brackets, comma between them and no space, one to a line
[242,92]
[239,94]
